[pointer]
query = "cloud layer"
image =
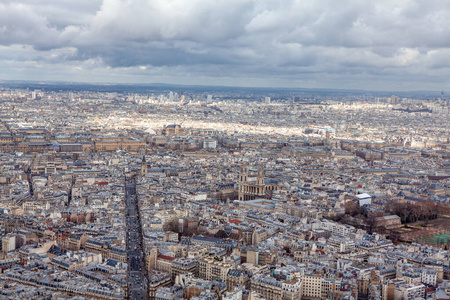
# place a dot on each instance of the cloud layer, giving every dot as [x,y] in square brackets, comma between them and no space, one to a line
[382,44]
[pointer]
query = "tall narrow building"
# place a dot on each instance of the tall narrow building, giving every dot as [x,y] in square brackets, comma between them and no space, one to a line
[143,166]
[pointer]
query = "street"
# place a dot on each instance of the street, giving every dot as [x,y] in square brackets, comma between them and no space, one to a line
[137,281]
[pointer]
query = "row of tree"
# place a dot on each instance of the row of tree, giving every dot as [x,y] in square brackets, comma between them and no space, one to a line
[410,212]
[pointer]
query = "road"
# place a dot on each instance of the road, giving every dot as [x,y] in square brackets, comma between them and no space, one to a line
[137,281]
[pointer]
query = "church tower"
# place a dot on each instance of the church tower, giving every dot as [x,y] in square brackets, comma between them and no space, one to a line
[243,174]
[143,166]
[260,178]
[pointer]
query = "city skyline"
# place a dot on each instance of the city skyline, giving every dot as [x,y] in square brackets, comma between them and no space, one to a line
[224,150]
[385,45]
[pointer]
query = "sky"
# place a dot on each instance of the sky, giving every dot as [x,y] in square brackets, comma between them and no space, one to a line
[374,45]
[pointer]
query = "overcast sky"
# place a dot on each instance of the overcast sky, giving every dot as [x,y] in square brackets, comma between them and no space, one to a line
[375,45]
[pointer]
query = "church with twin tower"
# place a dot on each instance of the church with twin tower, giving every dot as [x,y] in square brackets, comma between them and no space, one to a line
[256,187]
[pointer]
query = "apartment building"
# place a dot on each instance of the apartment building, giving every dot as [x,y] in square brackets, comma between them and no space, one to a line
[183,266]
[214,269]
[312,286]
[267,286]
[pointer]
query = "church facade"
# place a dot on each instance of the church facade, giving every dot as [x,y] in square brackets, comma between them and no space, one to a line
[256,187]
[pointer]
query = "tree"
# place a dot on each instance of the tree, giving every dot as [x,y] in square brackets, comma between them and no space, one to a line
[172,225]
[394,236]
[352,208]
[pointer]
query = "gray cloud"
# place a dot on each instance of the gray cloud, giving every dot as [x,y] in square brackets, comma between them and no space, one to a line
[325,43]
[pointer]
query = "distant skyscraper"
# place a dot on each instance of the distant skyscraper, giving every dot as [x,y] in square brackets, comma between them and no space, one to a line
[267,100]
[394,99]
[209,99]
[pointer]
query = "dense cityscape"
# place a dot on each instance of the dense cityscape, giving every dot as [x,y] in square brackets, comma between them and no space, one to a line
[227,194]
